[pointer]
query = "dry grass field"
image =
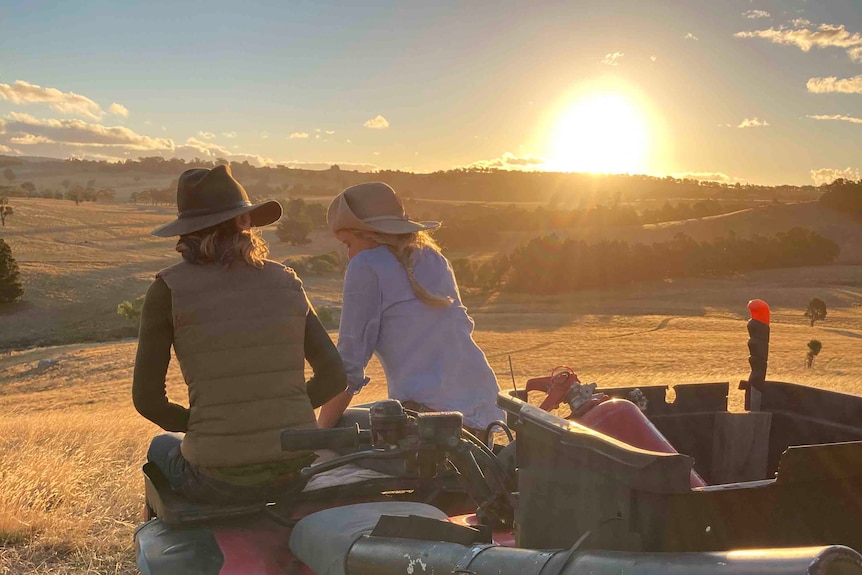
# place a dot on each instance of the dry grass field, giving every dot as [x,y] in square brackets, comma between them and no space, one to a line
[71,445]
[78,262]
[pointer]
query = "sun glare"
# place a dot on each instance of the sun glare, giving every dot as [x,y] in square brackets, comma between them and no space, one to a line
[600,133]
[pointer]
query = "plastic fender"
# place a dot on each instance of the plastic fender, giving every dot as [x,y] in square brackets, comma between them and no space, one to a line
[622,420]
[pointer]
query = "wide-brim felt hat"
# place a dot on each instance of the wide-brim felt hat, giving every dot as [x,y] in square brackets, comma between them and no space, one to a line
[206,198]
[372,207]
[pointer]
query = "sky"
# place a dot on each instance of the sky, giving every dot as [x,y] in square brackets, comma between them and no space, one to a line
[754,91]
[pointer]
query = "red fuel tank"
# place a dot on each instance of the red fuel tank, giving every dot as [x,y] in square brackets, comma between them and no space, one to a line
[622,420]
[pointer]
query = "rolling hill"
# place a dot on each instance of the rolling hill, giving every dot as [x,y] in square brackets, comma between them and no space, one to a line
[79,262]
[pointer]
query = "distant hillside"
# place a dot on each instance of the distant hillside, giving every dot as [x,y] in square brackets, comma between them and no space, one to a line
[768,220]
[843,229]
[561,189]
[78,262]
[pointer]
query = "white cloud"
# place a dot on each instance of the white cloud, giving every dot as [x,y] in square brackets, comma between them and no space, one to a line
[707,177]
[611,59]
[829,175]
[805,38]
[690,36]
[118,110]
[800,22]
[194,148]
[264,135]
[82,133]
[837,117]
[29,140]
[832,84]
[76,138]
[653,58]
[207,135]
[753,123]
[229,134]
[330,132]
[510,161]
[299,165]
[88,155]
[298,136]
[23,93]
[377,123]
[755,14]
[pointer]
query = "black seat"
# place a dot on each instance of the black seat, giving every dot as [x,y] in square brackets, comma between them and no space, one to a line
[174,509]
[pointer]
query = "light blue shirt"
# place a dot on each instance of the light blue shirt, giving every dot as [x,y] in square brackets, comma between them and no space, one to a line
[428,353]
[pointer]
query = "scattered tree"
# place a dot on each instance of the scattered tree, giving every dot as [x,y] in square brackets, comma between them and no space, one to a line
[816,311]
[9,175]
[294,231]
[106,194]
[10,278]
[814,347]
[30,188]
[318,265]
[131,310]
[300,218]
[75,193]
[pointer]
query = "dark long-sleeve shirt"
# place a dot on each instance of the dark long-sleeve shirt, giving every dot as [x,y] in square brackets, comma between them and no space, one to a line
[154,354]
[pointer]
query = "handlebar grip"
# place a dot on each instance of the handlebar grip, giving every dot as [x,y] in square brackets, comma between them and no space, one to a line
[312,439]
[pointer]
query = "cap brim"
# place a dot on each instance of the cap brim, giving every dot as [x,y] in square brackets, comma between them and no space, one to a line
[261,215]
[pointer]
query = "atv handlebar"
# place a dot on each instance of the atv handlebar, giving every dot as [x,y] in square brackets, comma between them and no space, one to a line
[427,442]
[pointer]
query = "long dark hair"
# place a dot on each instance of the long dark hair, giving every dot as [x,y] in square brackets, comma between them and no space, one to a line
[224,244]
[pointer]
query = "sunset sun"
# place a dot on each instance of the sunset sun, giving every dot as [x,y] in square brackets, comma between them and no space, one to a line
[600,133]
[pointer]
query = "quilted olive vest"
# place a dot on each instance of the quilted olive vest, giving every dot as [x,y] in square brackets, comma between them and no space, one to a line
[238,336]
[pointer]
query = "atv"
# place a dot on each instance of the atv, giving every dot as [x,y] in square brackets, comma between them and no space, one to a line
[627,482]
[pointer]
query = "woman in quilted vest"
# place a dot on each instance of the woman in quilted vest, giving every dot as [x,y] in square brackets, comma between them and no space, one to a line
[401,301]
[241,328]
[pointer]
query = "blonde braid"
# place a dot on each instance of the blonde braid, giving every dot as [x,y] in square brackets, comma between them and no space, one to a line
[403,246]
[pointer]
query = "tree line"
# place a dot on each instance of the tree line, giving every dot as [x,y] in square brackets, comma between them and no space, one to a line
[71,190]
[550,264]
[554,188]
[843,195]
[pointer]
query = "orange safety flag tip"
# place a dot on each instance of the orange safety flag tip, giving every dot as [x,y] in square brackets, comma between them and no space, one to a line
[759,310]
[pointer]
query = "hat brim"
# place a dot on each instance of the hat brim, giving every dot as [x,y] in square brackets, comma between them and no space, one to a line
[339,216]
[261,215]
[399,226]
